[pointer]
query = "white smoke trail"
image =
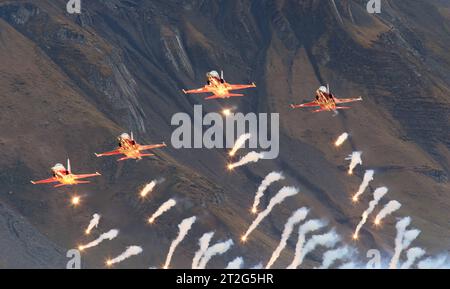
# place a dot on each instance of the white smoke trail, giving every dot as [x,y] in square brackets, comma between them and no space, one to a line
[93,223]
[105,236]
[390,207]
[217,249]
[307,227]
[327,240]
[341,139]
[269,179]
[239,143]
[377,195]
[412,255]
[433,262]
[183,229]
[236,263]
[409,237]
[204,244]
[162,209]
[130,251]
[249,158]
[368,177]
[296,218]
[401,228]
[355,159]
[277,199]
[149,187]
[331,256]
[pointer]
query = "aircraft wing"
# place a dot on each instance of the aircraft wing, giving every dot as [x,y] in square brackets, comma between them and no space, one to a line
[308,104]
[111,153]
[86,176]
[346,100]
[149,147]
[240,86]
[46,181]
[198,90]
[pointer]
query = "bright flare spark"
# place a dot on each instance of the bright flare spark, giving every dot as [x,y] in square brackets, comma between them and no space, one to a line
[226,111]
[341,139]
[75,200]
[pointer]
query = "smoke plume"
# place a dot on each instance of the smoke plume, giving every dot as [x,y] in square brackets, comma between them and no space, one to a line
[296,218]
[251,157]
[355,159]
[403,240]
[130,251]
[307,227]
[368,177]
[217,249]
[327,240]
[377,195]
[277,199]
[204,244]
[105,236]
[412,255]
[269,179]
[390,207]
[236,263]
[93,223]
[161,210]
[331,256]
[239,143]
[183,229]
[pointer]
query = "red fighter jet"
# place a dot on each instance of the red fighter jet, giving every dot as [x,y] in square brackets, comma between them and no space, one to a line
[217,85]
[65,177]
[326,101]
[131,149]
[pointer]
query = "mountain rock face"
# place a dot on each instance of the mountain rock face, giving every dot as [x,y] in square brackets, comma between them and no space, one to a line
[69,84]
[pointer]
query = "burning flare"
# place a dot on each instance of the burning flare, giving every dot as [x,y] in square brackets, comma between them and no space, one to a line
[368,177]
[149,187]
[130,251]
[105,236]
[251,157]
[390,207]
[277,199]
[183,229]
[239,143]
[161,210]
[377,195]
[355,159]
[269,179]
[93,223]
[341,139]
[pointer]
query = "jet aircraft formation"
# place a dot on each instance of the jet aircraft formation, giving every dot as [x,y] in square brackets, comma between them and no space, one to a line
[220,89]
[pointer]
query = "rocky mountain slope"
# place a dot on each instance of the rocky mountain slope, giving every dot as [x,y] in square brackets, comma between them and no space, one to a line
[70,83]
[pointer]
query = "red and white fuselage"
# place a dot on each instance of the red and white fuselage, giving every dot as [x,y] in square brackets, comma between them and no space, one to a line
[65,177]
